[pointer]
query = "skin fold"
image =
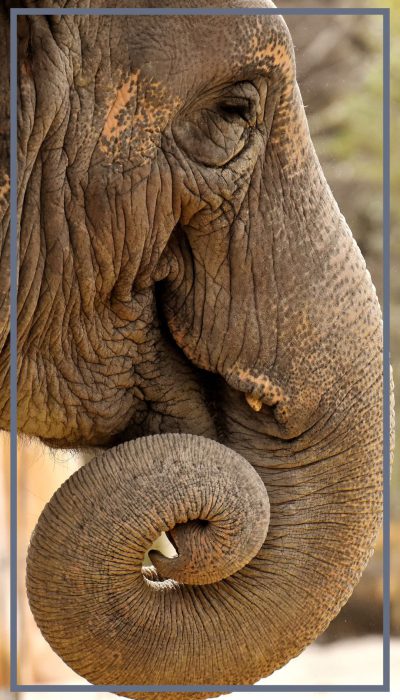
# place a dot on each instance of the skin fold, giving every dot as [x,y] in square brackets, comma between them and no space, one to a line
[185,274]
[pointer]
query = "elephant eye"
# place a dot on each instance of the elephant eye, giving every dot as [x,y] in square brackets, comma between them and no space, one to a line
[236,108]
[216,128]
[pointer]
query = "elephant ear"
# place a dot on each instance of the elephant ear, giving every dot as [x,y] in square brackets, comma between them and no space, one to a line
[23,51]
[23,43]
[5,86]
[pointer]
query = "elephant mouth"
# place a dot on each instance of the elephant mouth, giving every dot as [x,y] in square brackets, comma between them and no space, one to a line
[264,404]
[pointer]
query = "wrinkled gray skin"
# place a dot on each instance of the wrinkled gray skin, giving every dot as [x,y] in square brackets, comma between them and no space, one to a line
[181,251]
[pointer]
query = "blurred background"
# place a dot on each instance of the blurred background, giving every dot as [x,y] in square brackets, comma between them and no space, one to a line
[339,63]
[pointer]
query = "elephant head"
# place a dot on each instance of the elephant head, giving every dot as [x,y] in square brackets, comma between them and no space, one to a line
[192,300]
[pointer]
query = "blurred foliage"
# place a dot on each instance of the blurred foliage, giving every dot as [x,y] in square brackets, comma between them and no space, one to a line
[339,68]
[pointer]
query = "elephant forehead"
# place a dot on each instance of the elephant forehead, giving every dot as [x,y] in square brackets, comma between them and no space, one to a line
[167,63]
[187,53]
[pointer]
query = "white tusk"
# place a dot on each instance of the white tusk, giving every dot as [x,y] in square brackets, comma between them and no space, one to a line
[254,402]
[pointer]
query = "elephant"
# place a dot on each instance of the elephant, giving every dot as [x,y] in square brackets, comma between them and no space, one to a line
[193,306]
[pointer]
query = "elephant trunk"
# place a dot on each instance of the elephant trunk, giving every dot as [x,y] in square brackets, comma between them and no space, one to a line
[250,587]
[117,622]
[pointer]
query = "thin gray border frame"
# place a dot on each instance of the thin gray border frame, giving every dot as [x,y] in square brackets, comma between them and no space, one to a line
[14,13]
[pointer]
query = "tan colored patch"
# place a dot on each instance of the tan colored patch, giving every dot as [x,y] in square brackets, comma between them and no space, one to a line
[275,49]
[262,387]
[5,187]
[4,194]
[136,118]
[279,55]
[111,125]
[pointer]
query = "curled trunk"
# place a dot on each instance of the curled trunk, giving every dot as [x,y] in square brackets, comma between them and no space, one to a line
[238,601]
[113,620]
